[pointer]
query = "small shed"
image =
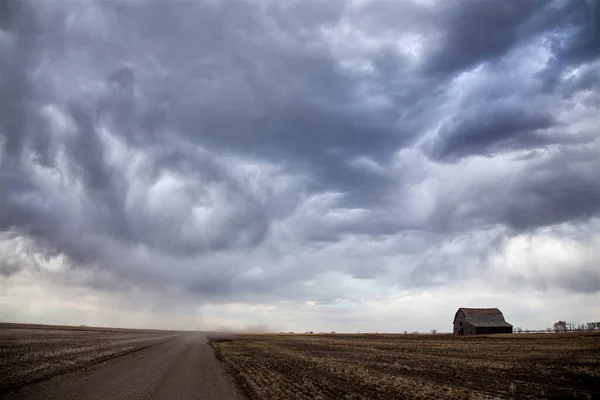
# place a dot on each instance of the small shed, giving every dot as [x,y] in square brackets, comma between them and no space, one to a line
[480,321]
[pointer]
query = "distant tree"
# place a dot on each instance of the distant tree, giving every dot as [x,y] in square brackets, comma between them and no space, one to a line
[548,329]
[519,329]
[592,326]
[560,326]
[434,331]
[526,330]
[405,332]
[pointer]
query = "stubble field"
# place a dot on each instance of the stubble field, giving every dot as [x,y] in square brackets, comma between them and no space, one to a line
[555,366]
[30,353]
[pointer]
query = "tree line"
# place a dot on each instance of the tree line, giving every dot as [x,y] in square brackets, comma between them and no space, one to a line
[564,326]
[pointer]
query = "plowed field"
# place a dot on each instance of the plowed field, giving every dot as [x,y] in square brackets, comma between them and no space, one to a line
[32,353]
[555,366]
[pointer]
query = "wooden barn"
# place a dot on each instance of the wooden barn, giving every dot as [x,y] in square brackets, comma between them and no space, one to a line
[480,321]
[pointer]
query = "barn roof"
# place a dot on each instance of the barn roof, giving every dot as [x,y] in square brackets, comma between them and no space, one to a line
[483,317]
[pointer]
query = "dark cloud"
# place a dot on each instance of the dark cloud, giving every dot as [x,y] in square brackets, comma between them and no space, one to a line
[218,148]
[583,42]
[573,40]
[17,25]
[549,191]
[565,189]
[474,32]
[494,130]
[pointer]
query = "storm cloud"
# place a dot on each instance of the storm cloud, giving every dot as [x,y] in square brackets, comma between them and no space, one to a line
[229,154]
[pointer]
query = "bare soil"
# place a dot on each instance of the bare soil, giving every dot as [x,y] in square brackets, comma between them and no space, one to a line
[540,366]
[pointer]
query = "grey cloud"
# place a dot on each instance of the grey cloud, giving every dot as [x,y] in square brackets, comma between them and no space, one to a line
[494,130]
[585,281]
[584,45]
[390,16]
[17,24]
[552,190]
[559,191]
[581,275]
[8,267]
[290,112]
[479,31]
[476,32]
[589,79]
[196,133]
[573,42]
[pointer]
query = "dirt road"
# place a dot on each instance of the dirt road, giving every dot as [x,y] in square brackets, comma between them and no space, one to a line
[182,368]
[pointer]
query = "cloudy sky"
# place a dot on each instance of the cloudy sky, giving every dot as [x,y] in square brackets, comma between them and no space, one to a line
[359,165]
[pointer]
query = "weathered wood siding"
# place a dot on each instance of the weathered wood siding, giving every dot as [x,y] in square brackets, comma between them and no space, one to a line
[461,322]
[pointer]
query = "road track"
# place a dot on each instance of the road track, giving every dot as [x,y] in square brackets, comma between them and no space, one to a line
[184,367]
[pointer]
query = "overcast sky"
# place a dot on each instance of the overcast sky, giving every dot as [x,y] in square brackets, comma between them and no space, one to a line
[361,165]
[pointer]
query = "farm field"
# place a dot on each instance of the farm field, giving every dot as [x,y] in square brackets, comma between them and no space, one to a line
[380,366]
[30,353]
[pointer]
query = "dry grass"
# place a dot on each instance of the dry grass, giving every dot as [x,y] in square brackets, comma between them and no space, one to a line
[415,366]
[31,353]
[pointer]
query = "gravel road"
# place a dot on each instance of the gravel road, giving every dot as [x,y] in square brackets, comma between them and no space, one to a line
[182,368]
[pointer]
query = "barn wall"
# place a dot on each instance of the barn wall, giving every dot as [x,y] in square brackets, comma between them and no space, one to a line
[460,317]
[492,330]
[468,328]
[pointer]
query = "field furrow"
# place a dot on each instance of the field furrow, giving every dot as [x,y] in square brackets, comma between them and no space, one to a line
[415,366]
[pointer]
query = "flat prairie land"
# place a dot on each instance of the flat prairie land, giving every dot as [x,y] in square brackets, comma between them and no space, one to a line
[30,353]
[382,366]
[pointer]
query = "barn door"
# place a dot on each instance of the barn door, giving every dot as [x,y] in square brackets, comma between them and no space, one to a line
[461,331]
